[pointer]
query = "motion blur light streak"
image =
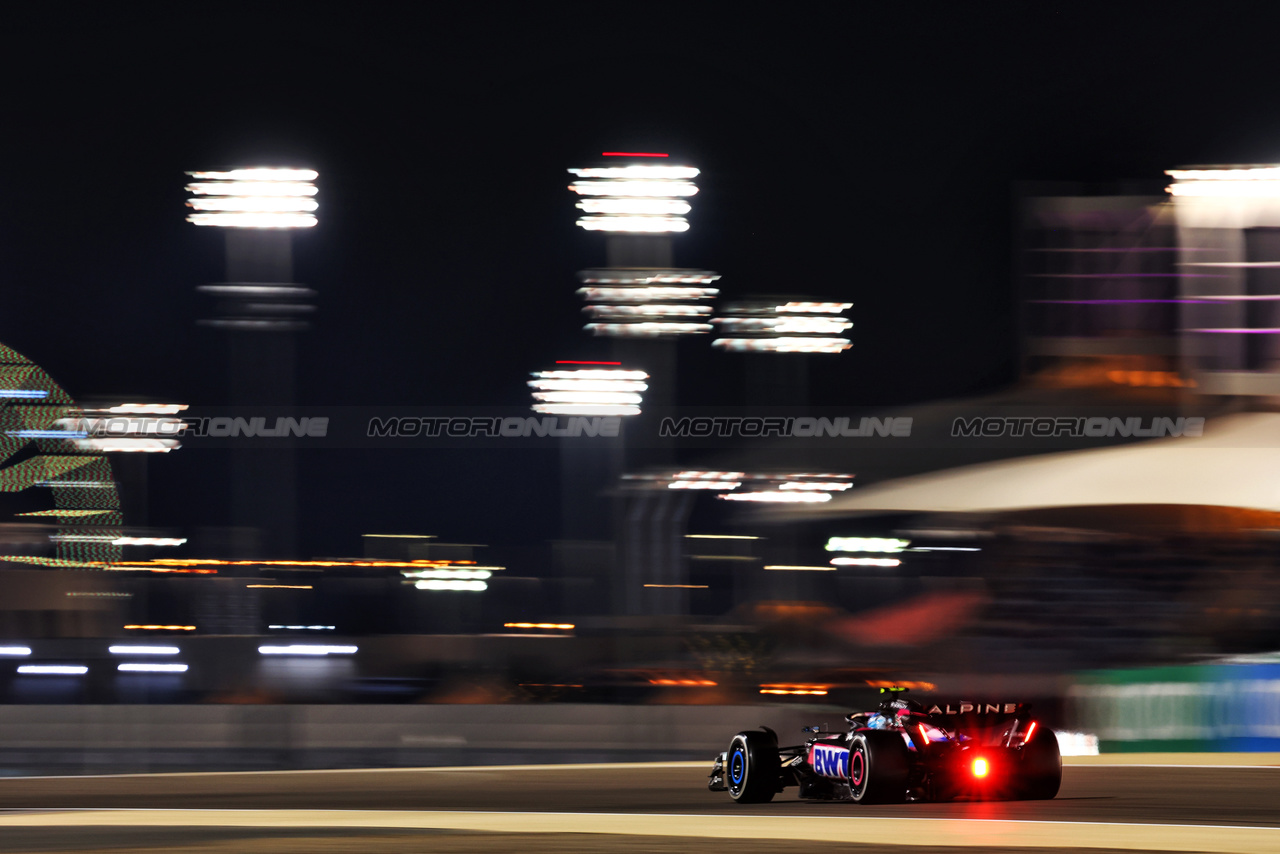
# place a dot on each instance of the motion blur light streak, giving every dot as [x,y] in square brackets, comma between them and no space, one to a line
[305,628]
[815,307]
[258,174]
[469,572]
[816,485]
[143,650]
[447,584]
[778,497]
[54,669]
[704,484]
[799,326]
[865,561]
[307,649]
[784,345]
[635,188]
[281,586]
[866,544]
[635,224]
[588,391]
[719,537]
[15,650]
[29,394]
[564,626]
[253,198]
[683,683]
[148,408]
[682,586]
[148,541]
[142,667]
[635,199]
[787,568]
[649,207]
[151,627]
[794,688]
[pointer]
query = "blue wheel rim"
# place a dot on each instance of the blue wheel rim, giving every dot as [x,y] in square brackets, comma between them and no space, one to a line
[738,767]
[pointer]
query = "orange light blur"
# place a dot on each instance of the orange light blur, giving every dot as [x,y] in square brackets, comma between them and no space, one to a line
[1030,730]
[794,688]
[914,686]
[164,628]
[299,563]
[683,683]
[816,692]
[537,625]
[980,767]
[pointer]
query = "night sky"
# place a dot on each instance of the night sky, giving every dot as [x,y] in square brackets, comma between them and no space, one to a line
[853,151]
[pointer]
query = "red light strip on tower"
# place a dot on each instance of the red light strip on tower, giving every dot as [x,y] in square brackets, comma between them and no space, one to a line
[629,154]
[588,363]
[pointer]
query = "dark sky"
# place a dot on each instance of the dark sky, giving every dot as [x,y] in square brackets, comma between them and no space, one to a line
[859,151]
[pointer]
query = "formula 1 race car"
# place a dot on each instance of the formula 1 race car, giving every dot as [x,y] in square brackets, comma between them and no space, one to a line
[903,751]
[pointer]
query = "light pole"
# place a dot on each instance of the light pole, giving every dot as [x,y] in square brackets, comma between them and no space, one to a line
[644,304]
[259,308]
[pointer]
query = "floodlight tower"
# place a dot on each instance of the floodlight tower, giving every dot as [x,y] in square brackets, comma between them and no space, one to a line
[260,308]
[644,304]
[638,201]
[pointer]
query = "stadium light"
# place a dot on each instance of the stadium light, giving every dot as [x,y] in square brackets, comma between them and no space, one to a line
[644,302]
[588,391]
[634,199]
[253,198]
[772,326]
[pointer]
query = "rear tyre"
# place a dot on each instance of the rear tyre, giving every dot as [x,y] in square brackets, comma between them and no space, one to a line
[1040,768]
[752,768]
[878,768]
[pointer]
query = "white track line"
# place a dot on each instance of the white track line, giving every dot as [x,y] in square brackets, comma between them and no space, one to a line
[875,830]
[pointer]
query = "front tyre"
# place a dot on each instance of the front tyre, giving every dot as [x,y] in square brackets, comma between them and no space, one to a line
[1040,768]
[752,768]
[878,768]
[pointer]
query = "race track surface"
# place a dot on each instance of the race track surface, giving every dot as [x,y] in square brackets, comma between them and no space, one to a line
[626,808]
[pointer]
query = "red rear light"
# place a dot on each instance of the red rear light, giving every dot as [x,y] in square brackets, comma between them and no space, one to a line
[1031,729]
[980,767]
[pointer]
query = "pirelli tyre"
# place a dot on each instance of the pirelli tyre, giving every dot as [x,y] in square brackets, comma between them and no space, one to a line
[1040,767]
[752,768]
[878,768]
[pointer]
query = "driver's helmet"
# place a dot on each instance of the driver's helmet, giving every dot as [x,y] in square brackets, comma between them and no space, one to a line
[878,721]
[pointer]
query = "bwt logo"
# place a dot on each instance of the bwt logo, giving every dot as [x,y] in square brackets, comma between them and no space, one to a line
[508,428]
[1077,427]
[803,428]
[830,761]
[221,428]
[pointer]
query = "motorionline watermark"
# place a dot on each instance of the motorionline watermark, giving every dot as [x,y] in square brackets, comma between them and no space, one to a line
[800,427]
[508,427]
[1098,427]
[223,427]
